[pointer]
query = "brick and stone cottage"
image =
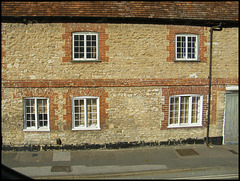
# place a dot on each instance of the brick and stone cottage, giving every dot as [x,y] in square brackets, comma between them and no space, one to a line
[115,73]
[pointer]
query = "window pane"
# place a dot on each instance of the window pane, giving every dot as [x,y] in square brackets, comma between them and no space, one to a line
[184,109]
[82,103]
[89,55]
[76,43]
[76,123]
[32,117]
[76,55]
[82,122]
[77,116]
[76,49]
[81,49]
[77,109]
[79,113]
[30,123]
[88,49]
[89,43]
[42,105]
[174,104]
[30,105]
[27,102]
[44,102]
[76,102]
[195,109]
[191,47]
[181,47]
[92,112]
[28,110]
[81,37]
[76,37]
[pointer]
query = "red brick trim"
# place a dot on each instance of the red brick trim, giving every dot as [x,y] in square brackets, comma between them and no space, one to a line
[71,92]
[116,82]
[85,27]
[215,90]
[53,106]
[101,93]
[169,91]
[186,29]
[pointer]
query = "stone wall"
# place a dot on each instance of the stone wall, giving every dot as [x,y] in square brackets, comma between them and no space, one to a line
[134,80]
[135,50]
[127,114]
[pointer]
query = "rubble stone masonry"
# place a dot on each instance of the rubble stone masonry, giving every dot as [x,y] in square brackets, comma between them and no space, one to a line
[134,78]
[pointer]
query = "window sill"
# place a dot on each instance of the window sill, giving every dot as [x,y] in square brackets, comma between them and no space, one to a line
[84,61]
[187,61]
[85,129]
[185,126]
[42,130]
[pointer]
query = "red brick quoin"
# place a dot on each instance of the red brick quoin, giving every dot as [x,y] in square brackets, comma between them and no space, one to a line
[85,27]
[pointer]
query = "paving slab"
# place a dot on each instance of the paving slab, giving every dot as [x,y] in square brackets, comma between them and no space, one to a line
[83,170]
[61,156]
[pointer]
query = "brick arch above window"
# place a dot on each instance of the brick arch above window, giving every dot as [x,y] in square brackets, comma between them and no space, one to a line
[200,31]
[85,27]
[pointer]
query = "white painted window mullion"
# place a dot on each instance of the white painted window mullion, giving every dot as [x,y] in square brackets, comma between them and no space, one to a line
[179,110]
[85,113]
[36,114]
[98,114]
[190,110]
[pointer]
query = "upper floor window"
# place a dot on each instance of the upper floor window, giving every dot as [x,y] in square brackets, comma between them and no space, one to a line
[85,46]
[36,114]
[85,113]
[185,110]
[186,47]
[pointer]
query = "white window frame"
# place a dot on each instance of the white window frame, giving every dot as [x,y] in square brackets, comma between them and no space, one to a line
[186,47]
[189,123]
[37,126]
[85,46]
[86,127]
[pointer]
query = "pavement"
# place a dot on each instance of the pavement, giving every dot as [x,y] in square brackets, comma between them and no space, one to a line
[110,163]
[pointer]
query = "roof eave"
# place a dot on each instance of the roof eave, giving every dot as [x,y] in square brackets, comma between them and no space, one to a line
[127,20]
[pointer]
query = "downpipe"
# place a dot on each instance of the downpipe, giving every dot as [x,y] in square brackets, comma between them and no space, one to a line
[214,28]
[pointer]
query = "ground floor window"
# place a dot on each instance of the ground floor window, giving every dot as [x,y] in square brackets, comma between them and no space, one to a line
[85,113]
[36,114]
[185,110]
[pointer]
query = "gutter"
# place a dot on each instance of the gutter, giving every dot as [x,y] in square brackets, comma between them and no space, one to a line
[214,28]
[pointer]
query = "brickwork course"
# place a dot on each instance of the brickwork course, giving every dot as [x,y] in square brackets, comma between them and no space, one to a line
[134,77]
